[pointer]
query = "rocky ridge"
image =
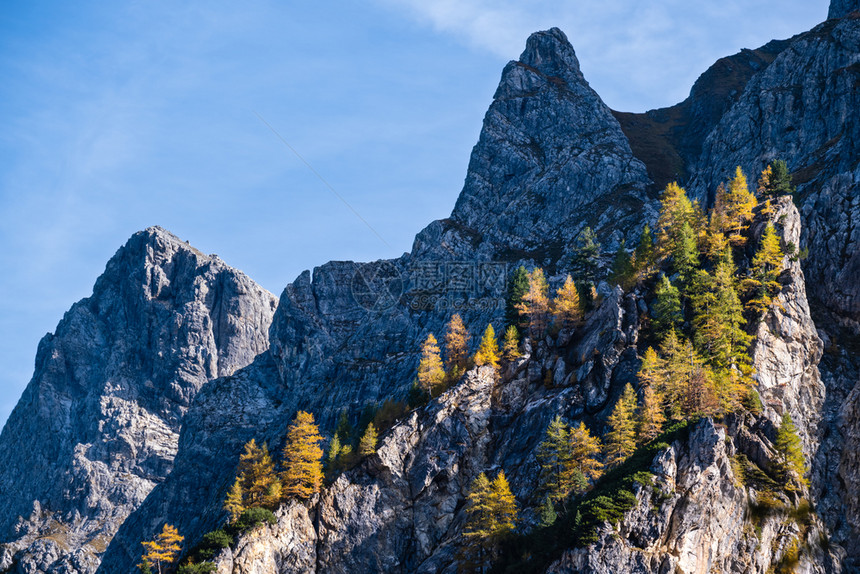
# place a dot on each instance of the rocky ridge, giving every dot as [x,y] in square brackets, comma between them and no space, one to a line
[348,333]
[97,427]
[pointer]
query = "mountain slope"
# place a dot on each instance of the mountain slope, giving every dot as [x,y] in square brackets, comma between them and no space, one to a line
[97,427]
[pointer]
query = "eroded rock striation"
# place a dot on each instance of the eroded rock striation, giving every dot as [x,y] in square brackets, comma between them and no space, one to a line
[97,427]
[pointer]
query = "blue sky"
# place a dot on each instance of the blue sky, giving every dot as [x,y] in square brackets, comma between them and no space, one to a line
[115,117]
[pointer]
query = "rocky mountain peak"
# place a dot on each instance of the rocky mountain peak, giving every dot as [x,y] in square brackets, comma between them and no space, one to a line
[841,8]
[551,53]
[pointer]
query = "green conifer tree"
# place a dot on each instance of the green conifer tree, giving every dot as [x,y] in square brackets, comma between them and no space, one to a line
[518,287]
[623,272]
[668,312]
[554,456]
[586,257]
[645,256]
[548,515]
[791,462]
[763,283]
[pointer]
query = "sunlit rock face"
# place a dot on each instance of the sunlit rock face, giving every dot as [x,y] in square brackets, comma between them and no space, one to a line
[551,159]
[97,427]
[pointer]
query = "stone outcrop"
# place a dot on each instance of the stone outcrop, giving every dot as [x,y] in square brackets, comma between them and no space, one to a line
[97,427]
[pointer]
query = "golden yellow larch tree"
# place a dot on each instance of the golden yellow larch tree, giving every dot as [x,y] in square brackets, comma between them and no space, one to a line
[431,374]
[302,458]
[535,303]
[367,445]
[163,549]
[734,206]
[511,345]
[488,352]
[584,450]
[257,475]
[456,347]
[566,305]
[620,440]
[651,417]
[234,503]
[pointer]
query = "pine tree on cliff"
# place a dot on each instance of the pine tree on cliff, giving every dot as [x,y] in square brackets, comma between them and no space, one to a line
[511,345]
[535,303]
[775,180]
[162,550]
[333,452]
[668,312]
[519,286]
[583,465]
[566,305]
[620,440]
[302,458]
[685,257]
[554,456]
[234,504]
[431,375]
[651,417]
[491,515]
[645,256]
[367,446]
[488,352]
[456,347]
[623,271]
[735,208]
[586,256]
[790,462]
[763,282]
[257,476]
[675,211]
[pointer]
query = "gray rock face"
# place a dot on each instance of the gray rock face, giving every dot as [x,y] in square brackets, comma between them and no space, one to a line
[699,523]
[97,426]
[551,159]
[787,348]
[841,8]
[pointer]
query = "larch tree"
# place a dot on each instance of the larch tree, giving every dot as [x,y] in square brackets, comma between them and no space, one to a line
[645,256]
[554,456]
[163,549]
[456,347]
[431,374]
[675,211]
[566,305]
[488,351]
[491,514]
[790,462]
[623,270]
[620,441]
[584,465]
[234,503]
[586,257]
[302,458]
[504,506]
[518,287]
[257,476]
[668,312]
[511,344]
[367,445]
[763,283]
[333,452]
[685,257]
[775,180]
[651,418]
[675,374]
[735,207]
[535,303]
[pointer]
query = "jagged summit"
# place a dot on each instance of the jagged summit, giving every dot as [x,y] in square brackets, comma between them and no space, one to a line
[551,53]
[101,416]
[841,8]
